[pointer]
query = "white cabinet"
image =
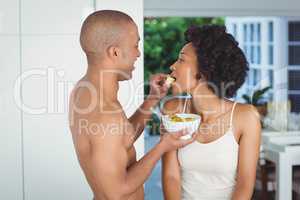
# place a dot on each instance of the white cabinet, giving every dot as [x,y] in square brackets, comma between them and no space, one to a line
[10,121]
[51,167]
[54,17]
[52,61]
[9,17]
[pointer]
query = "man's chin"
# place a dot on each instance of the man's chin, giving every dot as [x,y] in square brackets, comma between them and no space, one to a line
[125,77]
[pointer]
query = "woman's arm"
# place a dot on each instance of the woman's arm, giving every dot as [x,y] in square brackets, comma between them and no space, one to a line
[171,176]
[248,152]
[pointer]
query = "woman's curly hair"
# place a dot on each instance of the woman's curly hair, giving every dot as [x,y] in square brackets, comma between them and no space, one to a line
[220,60]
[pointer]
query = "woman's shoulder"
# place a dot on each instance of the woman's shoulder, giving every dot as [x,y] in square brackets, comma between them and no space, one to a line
[246,116]
[246,111]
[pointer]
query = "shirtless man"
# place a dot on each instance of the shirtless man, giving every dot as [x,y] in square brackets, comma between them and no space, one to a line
[102,134]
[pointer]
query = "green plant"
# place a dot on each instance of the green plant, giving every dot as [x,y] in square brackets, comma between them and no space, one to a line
[256,97]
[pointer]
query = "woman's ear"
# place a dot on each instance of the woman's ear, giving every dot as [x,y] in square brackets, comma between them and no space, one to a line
[200,81]
[198,76]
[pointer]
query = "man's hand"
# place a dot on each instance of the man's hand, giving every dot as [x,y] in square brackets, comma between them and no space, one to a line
[173,141]
[158,88]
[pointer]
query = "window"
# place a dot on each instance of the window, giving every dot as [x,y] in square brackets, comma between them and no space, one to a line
[271,77]
[258,33]
[251,32]
[252,42]
[256,76]
[245,48]
[294,89]
[258,54]
[294,31]
[271,43]
[294,54]
[250,80]
[271,54]
[245,31]
[294,80]
[235,31]
[270,59]
[295,102]
[270,31]
[294,63]
[252,53]
[294,43]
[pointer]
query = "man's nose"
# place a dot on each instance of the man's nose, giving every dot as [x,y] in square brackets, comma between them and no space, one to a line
[138,54]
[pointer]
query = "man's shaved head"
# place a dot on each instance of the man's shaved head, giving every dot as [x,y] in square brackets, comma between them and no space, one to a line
[110,40]
[102,29]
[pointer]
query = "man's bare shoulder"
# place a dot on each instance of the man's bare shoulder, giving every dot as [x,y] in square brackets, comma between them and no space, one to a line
[85,103]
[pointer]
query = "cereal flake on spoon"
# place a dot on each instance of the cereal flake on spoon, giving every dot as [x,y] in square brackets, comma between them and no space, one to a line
[170,80]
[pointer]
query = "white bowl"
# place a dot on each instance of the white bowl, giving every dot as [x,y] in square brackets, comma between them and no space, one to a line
[190,126]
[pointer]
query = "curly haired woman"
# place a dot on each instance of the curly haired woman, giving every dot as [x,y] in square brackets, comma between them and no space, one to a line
[221,163]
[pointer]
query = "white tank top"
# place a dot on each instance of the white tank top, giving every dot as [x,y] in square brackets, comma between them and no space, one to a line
[208,170]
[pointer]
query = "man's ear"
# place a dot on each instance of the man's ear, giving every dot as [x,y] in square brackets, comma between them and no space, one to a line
[113,52]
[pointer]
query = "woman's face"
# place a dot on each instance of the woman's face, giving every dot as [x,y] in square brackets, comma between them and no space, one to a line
[185,70]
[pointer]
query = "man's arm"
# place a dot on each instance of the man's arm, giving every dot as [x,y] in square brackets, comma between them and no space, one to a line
[158,90]
[143,114]
[109,161]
